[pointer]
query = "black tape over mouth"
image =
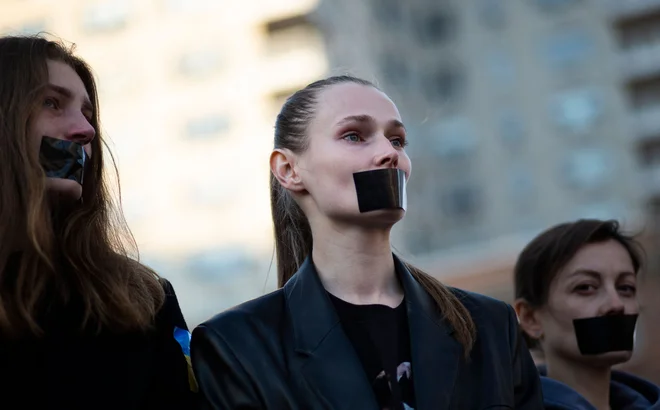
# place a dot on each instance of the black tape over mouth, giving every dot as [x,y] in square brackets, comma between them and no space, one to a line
[381,189]
[62,159]
[604,334]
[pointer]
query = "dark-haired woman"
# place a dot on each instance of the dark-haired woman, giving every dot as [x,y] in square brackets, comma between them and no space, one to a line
[82,325]
[353,326]
[576,289]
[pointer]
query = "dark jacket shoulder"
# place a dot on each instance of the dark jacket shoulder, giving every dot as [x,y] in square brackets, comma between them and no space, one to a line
[477,303]
[264,314]
[169,314]
[483,308]
[489,315]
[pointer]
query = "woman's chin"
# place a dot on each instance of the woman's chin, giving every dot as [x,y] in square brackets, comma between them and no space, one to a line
[381,218]
[63,190]
[609,359]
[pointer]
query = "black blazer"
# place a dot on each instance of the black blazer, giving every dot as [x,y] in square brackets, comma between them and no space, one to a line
[287,350]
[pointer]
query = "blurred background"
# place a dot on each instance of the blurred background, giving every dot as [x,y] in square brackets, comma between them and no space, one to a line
[521,114]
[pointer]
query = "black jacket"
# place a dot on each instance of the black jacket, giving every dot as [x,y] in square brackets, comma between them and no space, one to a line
[69,369]
[287,350]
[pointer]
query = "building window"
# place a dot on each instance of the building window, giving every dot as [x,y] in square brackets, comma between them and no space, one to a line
[290,33]
[454,138]
[640,34]
[649,152]
[577,111]
[276,27]
[106,16]
[461,202]
[207,126]
[200,63]
[645,94]
[443,85]
[433,28]
[568,48]
[587,169]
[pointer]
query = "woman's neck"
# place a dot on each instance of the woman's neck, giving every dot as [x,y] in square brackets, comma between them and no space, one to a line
[592,383]
[356,265]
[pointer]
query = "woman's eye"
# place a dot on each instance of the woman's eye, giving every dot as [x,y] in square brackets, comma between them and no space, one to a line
[584,288]
[352,137]
[51,103]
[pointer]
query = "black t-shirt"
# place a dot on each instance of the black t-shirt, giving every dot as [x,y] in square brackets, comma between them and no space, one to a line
[381,339]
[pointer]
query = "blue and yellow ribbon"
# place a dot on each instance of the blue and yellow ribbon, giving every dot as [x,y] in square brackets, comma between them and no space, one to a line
[182,337]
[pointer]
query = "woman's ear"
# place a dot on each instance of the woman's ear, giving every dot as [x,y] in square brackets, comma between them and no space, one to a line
[528,318]
[283,167]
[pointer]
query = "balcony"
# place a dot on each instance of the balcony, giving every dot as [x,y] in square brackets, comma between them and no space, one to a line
[294,52]
[640,62]
[626,9]
[645,122]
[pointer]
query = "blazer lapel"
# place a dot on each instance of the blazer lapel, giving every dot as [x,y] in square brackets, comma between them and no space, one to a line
[436,355]
[329,363]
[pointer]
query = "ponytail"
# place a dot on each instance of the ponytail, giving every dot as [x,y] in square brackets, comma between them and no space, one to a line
[293,235]
[453,310]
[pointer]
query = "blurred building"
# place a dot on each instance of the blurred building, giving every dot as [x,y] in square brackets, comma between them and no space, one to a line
[636,25]
[189,93]
[518,115]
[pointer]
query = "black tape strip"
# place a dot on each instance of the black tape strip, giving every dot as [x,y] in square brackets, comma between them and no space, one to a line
[62,159]
[380,189]
[603,334]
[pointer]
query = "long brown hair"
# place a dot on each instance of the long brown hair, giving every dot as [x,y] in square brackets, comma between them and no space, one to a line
[293,235]
[86,254]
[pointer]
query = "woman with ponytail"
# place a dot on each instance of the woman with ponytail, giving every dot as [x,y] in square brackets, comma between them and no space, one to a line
[352,326]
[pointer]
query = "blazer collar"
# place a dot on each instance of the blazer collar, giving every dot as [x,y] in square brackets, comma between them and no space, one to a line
[436,355]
